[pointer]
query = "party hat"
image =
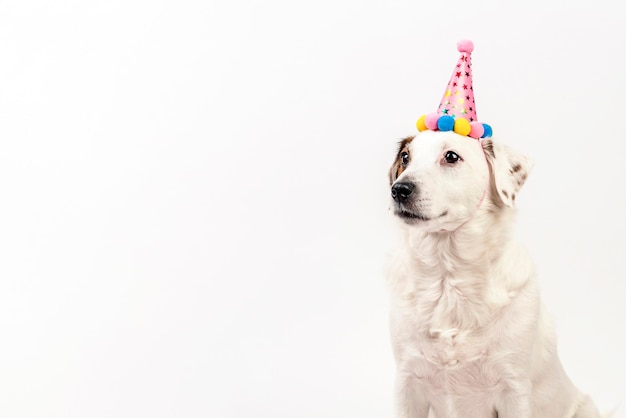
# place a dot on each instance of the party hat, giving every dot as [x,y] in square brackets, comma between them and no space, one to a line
[457,110]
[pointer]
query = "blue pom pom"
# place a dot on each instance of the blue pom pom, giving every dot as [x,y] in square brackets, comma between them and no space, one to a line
[445,123]
[488,131]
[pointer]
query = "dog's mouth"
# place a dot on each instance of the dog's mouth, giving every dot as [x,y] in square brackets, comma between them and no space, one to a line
[407,215]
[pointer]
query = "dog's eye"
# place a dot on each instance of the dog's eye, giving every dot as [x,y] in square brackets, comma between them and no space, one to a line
[405,158]
[452,157]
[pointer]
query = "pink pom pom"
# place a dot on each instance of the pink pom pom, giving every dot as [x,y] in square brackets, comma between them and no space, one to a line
[431,121]
[476,130]
[465,46]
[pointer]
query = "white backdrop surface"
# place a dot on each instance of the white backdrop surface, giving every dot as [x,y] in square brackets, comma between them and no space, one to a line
[193,213]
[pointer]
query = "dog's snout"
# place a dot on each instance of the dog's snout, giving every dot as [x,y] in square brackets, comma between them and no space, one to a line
[401,191]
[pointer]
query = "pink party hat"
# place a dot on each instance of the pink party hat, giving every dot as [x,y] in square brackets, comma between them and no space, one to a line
[457,110]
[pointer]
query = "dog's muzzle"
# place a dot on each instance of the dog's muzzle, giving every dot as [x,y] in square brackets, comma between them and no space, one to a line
[400,192]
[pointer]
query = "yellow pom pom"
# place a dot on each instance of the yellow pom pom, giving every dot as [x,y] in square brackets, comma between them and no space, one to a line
[421,124]
[462,126]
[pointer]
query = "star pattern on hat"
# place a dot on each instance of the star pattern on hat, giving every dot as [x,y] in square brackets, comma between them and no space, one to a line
[460,86]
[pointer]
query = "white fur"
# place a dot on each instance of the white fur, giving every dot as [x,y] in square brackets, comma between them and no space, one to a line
[470,336]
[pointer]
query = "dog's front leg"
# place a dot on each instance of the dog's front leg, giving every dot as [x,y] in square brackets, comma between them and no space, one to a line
[516,402]
[411,400]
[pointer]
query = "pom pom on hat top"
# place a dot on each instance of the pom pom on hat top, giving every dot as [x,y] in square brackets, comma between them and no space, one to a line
[457,109]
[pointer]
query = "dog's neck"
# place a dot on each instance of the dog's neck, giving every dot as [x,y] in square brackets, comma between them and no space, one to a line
[450,272]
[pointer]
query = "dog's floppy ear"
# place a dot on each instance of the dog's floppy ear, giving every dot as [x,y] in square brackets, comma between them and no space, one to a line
[397,168]
[509,170]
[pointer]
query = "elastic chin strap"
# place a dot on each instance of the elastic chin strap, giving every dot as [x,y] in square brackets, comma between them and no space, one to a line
[482,198]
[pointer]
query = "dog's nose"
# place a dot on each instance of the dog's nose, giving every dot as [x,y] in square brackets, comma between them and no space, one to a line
[401,191]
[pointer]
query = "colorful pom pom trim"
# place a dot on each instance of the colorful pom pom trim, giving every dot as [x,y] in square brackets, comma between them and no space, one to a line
[461,126]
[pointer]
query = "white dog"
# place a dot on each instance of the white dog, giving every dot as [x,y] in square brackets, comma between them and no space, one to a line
[470,336]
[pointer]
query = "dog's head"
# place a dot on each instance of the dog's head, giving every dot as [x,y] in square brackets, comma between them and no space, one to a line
[439,180]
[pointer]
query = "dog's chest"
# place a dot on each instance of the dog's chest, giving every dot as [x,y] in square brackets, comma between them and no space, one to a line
[440,326]
[451,348]
[453,362]
[442,320]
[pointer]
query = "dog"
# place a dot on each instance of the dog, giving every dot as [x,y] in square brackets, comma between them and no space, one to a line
[469,334]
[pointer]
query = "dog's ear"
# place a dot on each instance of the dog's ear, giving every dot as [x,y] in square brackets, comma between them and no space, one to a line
[397,168]
[509,170]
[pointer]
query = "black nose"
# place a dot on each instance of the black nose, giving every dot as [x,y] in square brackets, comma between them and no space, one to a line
[401,191]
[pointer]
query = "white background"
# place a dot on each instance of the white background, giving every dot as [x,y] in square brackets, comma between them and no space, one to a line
[193,196]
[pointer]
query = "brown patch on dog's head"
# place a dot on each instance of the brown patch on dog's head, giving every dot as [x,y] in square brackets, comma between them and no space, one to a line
[397,167]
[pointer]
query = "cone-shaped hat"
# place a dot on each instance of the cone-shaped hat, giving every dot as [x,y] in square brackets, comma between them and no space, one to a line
[457,110]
